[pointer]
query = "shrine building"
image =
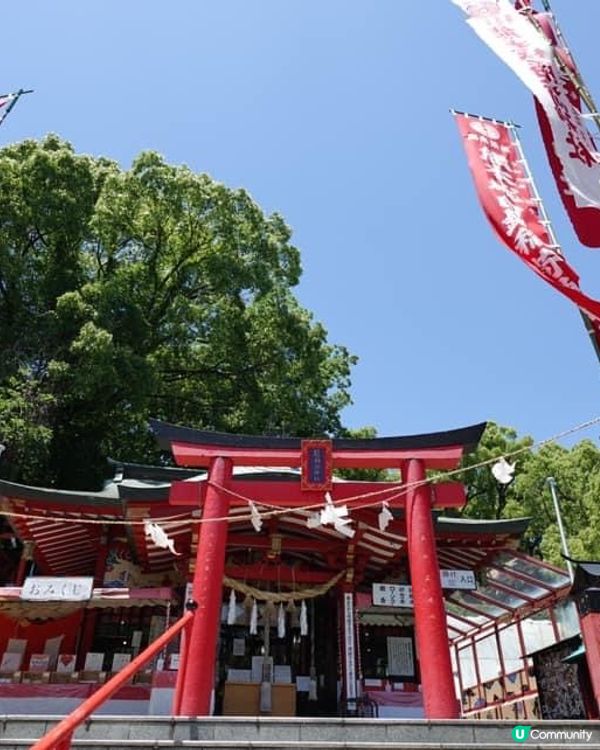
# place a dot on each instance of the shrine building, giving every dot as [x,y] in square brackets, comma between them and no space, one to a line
[312,595]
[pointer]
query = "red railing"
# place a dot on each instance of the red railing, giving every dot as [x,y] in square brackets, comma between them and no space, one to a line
[60,736]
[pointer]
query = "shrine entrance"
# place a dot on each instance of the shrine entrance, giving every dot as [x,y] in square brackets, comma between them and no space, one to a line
[340,530]
[342,576]
[296,655]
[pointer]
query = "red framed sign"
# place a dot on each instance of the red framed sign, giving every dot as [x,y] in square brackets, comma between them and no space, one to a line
[317,465]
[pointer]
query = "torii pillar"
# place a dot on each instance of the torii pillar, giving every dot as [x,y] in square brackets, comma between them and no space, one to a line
[414,453]
[194,693]
[431,630]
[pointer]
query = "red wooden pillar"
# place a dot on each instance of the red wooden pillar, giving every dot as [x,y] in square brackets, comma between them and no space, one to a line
[430,616]
[24,562]
[200,651]
[589,614]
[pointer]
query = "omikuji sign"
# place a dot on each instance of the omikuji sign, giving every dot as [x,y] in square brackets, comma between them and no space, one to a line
[400,595]
[49,589]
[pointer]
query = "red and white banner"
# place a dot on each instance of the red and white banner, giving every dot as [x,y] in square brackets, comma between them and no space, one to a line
[586,219]
[529,53]
[509,202]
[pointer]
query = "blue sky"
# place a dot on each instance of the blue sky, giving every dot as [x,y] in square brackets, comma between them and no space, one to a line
[336,115]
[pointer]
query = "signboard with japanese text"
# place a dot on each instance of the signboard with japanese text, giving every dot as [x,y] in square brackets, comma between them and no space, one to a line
[316,465]
[50,589]
[458,579]
[400,657]
[349,646]
[400,594]
[392,595]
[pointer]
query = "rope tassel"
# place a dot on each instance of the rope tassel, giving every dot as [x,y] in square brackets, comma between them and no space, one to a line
[231,613]
[254,618]
[303,619]
[281,621]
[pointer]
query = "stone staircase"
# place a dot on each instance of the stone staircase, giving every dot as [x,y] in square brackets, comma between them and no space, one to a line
[230,733]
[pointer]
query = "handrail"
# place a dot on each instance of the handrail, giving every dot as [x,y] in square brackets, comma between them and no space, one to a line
[60,735]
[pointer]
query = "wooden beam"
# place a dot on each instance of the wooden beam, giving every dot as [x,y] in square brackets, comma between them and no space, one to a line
[285,494]
[189,454]
[288,544]
[277,574]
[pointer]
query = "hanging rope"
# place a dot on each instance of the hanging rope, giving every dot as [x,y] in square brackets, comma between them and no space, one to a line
[372,499]
[281,596]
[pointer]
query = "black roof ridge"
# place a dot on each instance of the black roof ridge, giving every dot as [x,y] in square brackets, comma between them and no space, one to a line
[468,437]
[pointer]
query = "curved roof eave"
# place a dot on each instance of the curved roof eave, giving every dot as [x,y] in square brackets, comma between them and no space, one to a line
[166,433]
[109,495]
[475,526]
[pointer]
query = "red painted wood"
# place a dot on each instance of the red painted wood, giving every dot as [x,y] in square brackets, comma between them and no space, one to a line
[281,573]
[65,728]
[188,454]
[199,657]
[283,494]
[590,630]
[288,543]
[181,672]
[430,616]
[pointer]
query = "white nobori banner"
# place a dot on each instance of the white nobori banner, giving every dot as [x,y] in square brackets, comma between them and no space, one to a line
[530,56]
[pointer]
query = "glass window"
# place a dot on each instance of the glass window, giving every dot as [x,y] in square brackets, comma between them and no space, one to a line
[538,631]
[511,649]
[458,625]
[467,667]
[567,619]
[486,608]
[502,596]
[453,607]
[487,656]
[517,584]
[530,568]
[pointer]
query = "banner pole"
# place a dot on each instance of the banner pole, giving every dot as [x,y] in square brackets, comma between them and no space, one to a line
[589,326]
[15,99]
[574,75]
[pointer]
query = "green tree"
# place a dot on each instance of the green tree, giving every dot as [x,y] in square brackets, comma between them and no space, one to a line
[153,291]
[486,498]
[576,471]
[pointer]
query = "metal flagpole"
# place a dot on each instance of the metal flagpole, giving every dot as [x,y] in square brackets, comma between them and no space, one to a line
[561,529]
[14,100]
[549,228]
[574,76]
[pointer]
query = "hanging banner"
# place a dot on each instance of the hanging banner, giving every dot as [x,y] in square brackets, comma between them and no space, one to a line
[8,101]
[510,204]
[585,219]
[530,55]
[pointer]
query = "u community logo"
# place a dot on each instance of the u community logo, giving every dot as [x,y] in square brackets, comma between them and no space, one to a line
[520,733]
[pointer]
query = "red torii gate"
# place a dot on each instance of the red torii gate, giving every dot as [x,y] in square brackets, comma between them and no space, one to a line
[413,455]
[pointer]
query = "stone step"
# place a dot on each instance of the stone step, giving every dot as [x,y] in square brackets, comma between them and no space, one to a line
[19,744]
[227,733]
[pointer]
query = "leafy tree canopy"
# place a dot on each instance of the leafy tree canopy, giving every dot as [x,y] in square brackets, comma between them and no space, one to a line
[576,471]
[153,291]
